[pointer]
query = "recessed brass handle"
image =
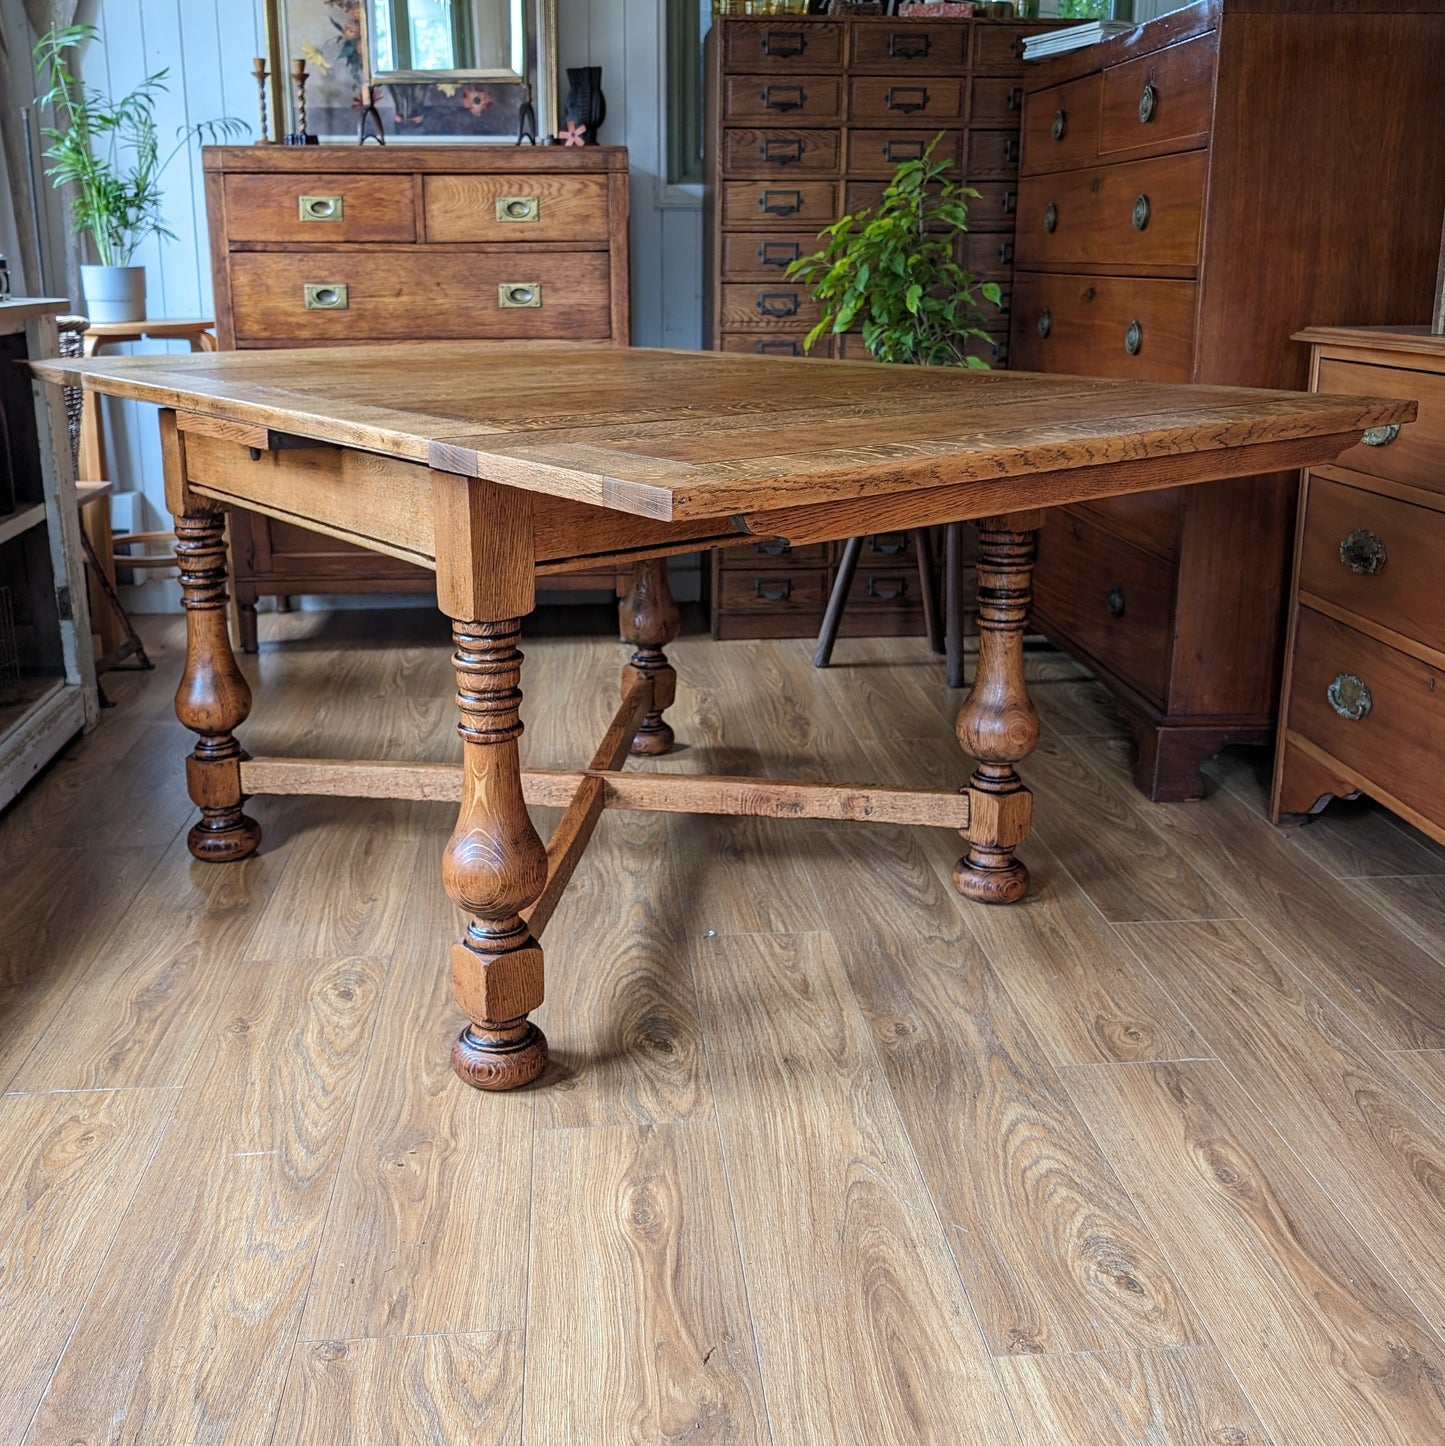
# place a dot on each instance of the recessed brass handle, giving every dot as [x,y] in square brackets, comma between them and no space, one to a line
[1133,338]
[325,295]
[519,208]
[1051,218]
[1349,697]
[1148,104]
[519,293]
[1060,127]
[1046,322]
[321,208]
[1364,551]
[1381,436]
[1141,213]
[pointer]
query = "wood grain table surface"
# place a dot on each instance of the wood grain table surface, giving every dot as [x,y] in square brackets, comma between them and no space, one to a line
[495,465]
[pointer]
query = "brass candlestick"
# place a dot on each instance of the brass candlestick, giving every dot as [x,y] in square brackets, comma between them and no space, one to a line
[259,70]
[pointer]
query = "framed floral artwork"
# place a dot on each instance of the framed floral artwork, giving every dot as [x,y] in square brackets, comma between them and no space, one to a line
[342,43]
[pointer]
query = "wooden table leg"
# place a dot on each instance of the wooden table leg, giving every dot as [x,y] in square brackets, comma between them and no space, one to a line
[649,620]
[494,866]
[997,725]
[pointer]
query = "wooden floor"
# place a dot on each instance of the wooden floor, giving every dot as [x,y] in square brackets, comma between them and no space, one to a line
[826,1155]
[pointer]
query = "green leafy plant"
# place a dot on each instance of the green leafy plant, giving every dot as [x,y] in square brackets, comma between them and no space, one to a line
[889,271]
[110,149]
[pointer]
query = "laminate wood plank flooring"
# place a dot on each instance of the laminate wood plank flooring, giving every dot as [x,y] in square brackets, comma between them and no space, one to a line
[825,1154]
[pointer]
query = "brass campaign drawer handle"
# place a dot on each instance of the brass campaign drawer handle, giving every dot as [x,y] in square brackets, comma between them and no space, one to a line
[519,208]
[1381,436]
[1364,551]
[519,293]
[1349,697]
[321,208]
[326,296]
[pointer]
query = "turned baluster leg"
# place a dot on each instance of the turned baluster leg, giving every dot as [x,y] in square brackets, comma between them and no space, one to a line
[494,866]
[997,725]
[213,698]
[649,621]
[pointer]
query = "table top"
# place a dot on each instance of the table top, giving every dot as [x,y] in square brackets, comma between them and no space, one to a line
[674,434]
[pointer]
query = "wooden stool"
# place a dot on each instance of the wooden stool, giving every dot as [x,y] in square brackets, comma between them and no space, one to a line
[113,626]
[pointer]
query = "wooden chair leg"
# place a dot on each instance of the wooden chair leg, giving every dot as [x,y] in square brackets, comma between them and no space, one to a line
[953,602]
[928,581]
[837,601]
[649,620]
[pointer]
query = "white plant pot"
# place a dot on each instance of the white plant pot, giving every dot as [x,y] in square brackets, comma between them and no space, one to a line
[114,293]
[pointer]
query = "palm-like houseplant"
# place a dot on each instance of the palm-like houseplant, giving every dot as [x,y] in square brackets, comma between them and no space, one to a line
[109,152]
[891,274]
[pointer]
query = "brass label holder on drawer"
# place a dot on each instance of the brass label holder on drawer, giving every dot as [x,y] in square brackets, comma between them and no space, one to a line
[519,208]
[519,293]
[321,208]
[326,296]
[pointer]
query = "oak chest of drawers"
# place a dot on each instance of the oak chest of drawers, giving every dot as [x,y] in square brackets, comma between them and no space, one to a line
[1363,706]
[348,244]
[807,119]
[1193,192]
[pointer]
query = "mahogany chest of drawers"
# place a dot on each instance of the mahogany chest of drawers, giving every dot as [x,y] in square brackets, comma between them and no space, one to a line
[808,118]
[1363,706]
[1192,192]
[345,244]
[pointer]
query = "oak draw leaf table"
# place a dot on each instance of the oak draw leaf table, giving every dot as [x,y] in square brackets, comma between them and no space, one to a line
[496,466]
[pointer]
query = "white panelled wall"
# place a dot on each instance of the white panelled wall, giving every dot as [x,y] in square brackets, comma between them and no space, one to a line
[207,46]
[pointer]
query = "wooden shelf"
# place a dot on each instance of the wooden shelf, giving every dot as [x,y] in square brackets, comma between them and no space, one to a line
[17,522]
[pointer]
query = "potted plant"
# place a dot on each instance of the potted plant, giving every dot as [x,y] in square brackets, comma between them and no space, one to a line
[109,150]
[890,272]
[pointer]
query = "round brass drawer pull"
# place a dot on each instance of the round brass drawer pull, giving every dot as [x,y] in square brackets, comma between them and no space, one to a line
[1364,551]
[1349,697]
[1046,322]
[1061,124]
[1148,103]
[1114,603]
[1133,338]
[1051,218]
[1141,213]
[1381,436]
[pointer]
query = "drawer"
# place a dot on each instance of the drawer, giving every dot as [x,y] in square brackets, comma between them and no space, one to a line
[879,152]
[1160,102]
[1061,127]
[778,590]
[1416,453]
[786,206]
[1395,731]
[1151,520]
[926,100]
[884,592]
[1377,557]
[995,208]
[440,293]
[787,343]
[772,553]
[1145,214]
[1104,326]
[890,551]
[782,46]
[991,349]
[782,98]
[764,307]
[1110,598]
[764,151]
[515,209]
[903,47]
[985,254]
[1001,47]
[991,153]
[336,208]
[996,100]
[762,256]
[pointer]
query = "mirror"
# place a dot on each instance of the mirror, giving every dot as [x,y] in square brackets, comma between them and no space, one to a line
[459,39]
[444,69]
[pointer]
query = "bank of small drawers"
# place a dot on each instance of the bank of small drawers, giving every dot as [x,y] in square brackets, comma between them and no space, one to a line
[1364,703]
[809,119]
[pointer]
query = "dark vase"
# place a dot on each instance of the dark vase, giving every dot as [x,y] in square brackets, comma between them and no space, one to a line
[586,105]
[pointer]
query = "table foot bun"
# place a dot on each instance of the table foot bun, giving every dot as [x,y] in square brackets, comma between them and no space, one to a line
[224,841]
[500,1056]
[990,880]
